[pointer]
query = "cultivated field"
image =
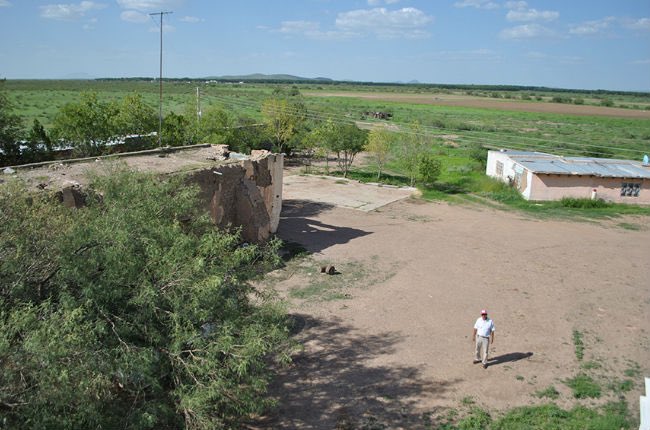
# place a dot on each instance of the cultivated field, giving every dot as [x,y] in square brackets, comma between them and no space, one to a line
[387,340]
[489,103]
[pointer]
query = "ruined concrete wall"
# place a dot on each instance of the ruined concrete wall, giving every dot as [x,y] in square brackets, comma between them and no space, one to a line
[247,194]
[244,192]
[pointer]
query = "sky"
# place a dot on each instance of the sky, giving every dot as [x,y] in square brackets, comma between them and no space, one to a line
[580,44]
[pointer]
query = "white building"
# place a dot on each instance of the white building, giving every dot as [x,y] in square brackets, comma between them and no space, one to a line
[540,176]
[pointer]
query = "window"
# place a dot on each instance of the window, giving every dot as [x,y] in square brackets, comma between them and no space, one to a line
[630,189]
[499,168]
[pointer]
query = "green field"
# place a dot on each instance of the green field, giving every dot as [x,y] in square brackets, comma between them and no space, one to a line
[549,132]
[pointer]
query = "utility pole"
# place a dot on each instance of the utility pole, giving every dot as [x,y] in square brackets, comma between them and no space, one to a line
[198,106]
[160,77]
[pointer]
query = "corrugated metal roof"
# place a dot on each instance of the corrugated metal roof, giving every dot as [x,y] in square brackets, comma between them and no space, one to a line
[538,162]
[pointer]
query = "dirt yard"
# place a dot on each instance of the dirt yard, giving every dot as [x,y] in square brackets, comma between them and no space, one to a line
[489,103]
[387,340]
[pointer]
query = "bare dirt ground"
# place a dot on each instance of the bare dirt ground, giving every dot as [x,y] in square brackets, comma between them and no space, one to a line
[387,340]
[489,103]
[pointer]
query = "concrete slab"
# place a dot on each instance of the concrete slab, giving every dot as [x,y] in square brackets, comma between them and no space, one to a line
[342,192]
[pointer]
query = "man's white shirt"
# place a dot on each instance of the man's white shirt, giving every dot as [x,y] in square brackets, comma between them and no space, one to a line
[484,326]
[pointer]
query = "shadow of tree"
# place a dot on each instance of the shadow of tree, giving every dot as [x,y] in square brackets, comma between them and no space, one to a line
[295,226]
[509,357]
[340,382]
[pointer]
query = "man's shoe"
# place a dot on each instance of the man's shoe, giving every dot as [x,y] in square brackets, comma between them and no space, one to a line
[476,361]
[485,366]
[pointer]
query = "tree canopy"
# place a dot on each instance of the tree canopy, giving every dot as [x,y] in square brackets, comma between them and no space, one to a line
[133,312]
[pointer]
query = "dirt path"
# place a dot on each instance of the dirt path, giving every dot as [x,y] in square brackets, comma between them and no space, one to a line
[394,346]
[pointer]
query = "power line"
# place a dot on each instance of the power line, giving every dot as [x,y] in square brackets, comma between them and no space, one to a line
[470,135]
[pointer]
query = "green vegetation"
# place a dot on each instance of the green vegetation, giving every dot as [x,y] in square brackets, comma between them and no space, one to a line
[578,344]
[133,312]
[583,386]
[612,416]
[549,392]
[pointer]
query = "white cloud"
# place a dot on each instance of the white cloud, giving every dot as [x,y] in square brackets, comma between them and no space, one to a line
[312,30]
[134,16]
[519,11]
[379,2]
[532,15]
[69,12]
[407,22]
[590,28]
[378,22]
[192,19]
[643,62]
[639,24]
[4,3]
[526,31]
[150,5]
[516,5]
[478,4]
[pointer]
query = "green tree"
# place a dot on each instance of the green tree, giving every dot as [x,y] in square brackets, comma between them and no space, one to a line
[379,144]
[10,131]
[248,133]
[282,119]
[429,168]
[177,130]
[135,122]
[215,126]
[347,140]
[119,315]
[87,125]
[38,146]
[409,150]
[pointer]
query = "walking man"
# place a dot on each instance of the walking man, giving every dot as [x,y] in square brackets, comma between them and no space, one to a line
[484,336]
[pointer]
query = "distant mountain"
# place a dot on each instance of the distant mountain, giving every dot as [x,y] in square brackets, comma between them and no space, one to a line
[265,77]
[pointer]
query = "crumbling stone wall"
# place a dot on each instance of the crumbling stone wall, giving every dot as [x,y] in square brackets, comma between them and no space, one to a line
[247,194]
[236,190]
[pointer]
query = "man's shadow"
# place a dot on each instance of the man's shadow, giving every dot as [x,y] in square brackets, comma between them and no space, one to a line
[509,357]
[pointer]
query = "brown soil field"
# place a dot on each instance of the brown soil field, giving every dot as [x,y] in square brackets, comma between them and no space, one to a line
[387,340]
[488,103]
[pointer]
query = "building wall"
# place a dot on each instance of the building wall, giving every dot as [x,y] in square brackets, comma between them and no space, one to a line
[510,172]
[554,187]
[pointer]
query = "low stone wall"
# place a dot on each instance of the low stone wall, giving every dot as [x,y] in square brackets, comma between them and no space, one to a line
[237,190]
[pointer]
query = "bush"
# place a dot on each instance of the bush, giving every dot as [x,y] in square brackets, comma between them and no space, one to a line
[133,312]
[572,202]
[429,168]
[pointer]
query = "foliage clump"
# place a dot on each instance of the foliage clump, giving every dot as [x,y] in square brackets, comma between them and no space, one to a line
[133,312]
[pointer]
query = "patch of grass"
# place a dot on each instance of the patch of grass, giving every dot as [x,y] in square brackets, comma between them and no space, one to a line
[552,417]
[478,419]
[584,386]
[578,344]
[588,365]
[572,202]
[370,176]
[467,400]
[322,287]
[549,392]
[629,226]
[633,371]
[519,378]
[621,386]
